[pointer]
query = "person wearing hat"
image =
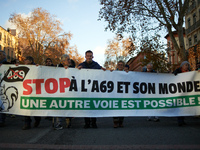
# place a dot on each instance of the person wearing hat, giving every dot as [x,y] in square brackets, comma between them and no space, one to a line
[184,67]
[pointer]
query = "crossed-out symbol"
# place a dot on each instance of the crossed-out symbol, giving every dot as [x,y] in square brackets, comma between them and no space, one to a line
[15,73]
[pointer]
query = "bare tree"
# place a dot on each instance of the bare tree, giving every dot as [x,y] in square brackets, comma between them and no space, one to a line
[131,15]
[154,51]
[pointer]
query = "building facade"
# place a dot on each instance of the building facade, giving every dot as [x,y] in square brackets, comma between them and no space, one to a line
[8,42]
[135,63]
[192,24]
[173,58]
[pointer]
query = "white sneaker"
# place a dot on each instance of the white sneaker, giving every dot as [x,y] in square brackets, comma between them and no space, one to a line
[58,127]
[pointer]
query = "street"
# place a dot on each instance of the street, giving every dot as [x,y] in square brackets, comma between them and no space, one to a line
[138,133]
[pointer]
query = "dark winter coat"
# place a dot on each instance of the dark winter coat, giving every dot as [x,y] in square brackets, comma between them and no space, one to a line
[92,65]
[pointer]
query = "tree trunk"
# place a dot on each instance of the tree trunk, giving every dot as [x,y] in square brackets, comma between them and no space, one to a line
[182,51]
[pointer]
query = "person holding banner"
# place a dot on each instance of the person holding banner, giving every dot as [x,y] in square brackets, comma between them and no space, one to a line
[150,69]
[90,64]
[3,60]
[198,69]
[198,66]
[184,67]
[65,62]
[30,61]
[48,62]
[118,121]
[126,68]
[69,119]
[15,61]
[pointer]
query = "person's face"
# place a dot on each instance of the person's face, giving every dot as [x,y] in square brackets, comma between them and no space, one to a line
[120,66]
[27,62]
[67,61]
[17,62]
[2,56]
[149,68]
[48,62]
[185,67]
[125,68]
[89,57]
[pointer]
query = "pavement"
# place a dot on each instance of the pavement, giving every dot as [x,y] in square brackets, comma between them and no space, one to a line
[137,133]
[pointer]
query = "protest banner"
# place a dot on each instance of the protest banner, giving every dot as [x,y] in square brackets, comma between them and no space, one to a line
[53,91]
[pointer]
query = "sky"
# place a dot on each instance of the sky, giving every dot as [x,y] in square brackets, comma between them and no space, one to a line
[80,17]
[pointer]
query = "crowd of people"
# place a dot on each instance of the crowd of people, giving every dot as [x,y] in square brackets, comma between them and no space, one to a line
[89,63]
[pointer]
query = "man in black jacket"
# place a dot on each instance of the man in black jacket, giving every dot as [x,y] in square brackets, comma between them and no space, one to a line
[90,64]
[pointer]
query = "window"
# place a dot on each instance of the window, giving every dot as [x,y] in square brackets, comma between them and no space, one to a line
[0,47]
[1,34]
[194,18]
[175,58]
[12,54]
[8,40]
[199,14]
[169,44]
[190,41]
[8,54]
[4,38]
[189,24]
[195,38]
[193,4]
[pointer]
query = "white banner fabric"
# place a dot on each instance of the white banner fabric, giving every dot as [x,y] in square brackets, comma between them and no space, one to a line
[54,91]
